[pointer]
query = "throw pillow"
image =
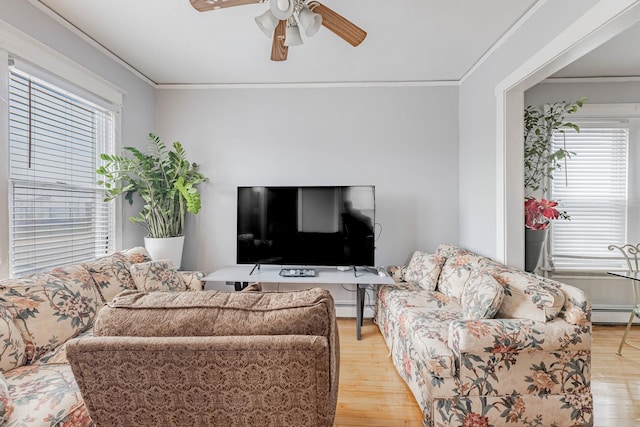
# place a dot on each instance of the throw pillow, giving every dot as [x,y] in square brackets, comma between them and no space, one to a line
[481,297]
[424,269]
[6,403]
[157,276]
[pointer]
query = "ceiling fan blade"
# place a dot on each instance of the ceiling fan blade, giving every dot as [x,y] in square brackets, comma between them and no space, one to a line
[204,5]
[278,49]
[342,27]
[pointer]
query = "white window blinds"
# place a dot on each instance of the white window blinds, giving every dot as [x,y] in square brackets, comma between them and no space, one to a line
[57,214]
[592,188]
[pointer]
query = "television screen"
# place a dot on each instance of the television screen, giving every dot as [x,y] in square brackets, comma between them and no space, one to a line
[306,225]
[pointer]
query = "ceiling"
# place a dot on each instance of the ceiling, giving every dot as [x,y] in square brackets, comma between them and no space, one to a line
[169,42]
[414,40]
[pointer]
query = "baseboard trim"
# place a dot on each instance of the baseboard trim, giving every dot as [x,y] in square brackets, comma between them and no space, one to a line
[611,315]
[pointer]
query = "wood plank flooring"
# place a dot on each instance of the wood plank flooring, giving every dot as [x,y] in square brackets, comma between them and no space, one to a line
[371,392]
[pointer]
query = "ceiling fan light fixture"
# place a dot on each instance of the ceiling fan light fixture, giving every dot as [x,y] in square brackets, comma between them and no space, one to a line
[267,22]
[310,21]
[282,9]
[292,36]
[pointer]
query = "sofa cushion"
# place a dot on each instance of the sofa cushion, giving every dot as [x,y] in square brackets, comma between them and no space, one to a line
[6,402]
[13,348]
[424,269]
[481,297]
[456,272]
[217,313]
[526,296]
[111,273]
[46,395]
[50,308]
[423,325]
[156,276]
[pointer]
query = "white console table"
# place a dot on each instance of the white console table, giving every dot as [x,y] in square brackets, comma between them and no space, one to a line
[324,275]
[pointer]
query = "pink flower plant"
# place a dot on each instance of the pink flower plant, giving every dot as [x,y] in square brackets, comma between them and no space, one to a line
[539,213]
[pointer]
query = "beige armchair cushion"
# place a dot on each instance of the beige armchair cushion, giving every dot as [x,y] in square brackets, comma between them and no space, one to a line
[215,313]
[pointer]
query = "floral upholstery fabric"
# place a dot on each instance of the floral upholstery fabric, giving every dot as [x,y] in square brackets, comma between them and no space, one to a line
[456,272]
[577,308]
[47,396]
[397,272]
[421,319]
[528,297]
[192,280]
[157,276]
[13,349]
[481,297]
[48,309]
[6,402]
[59,354]
[424,270]
[38,315]
[500,372]
[111,273]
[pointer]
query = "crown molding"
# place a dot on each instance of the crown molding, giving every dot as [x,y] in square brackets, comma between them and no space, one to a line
[94,43]
[309,85]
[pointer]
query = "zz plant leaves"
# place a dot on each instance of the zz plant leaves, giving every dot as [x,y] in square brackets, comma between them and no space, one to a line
[163,178]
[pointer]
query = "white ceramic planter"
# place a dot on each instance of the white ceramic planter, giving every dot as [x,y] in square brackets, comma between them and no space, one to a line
[166,248]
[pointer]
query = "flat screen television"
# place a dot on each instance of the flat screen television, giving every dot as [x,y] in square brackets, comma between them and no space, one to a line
[326,226]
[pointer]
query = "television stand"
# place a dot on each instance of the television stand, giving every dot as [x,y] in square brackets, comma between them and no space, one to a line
[241,274]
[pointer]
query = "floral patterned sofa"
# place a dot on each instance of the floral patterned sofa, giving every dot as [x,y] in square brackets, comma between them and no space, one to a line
[41,312]
[481,344]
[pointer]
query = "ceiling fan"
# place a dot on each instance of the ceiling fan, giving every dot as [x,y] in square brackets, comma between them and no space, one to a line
[284,17]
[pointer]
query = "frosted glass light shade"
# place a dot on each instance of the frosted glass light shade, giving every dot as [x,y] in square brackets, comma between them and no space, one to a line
[267,23]
[309,21]
[292,36]
[282,9]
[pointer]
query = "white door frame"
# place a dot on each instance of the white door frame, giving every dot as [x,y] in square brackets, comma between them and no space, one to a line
[603,21]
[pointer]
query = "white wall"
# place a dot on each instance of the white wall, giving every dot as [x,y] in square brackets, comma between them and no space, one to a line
[403,140]
[138,109]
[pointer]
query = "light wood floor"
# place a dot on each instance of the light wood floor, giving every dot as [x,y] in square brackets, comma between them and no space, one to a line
[371,393]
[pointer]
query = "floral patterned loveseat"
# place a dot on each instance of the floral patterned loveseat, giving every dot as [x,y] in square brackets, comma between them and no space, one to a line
[481,344]
[41,312]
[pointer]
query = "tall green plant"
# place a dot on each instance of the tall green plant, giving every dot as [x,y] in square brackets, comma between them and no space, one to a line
[540,159]
[163,178]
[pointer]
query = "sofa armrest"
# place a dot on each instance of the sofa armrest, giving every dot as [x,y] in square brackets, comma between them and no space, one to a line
[397,272]
[515,335]
[192,280]
[506,357]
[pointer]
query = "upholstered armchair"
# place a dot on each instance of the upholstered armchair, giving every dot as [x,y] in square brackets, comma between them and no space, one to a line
[211,359]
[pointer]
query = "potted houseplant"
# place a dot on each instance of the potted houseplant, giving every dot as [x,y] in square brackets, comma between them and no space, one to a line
[166,182]
[541,160]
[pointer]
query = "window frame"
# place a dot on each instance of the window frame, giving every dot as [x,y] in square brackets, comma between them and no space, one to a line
[19,45]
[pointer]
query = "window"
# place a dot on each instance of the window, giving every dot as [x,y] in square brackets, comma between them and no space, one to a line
[57,214]
[597,188]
